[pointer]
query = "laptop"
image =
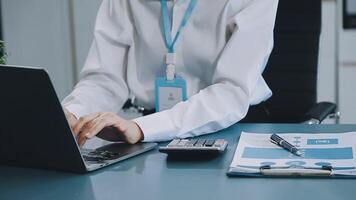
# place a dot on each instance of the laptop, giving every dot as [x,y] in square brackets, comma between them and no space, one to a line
[35,133]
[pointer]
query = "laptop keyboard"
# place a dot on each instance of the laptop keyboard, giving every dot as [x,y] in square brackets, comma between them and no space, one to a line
[98,156]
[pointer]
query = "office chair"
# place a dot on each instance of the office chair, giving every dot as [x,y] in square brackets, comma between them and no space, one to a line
[291,72]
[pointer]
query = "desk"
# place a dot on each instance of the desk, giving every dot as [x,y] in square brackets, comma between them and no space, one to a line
[150,176]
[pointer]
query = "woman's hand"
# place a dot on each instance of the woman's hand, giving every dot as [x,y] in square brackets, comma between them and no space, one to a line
[107,126]
[71,118]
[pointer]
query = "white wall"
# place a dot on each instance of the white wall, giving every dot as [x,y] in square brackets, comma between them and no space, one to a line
[37,34]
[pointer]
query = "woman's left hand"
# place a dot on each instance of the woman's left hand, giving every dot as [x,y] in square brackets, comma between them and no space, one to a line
[107,126]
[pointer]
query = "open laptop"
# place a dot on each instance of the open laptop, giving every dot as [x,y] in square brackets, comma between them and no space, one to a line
[34,131]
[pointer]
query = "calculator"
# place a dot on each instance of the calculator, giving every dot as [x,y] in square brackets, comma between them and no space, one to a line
[195,147]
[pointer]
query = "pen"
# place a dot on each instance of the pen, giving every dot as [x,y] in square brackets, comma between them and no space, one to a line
[285,145]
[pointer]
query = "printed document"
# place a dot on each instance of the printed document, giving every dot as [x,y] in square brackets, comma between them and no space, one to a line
[255,150]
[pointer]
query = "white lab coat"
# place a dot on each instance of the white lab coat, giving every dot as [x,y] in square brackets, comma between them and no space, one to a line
[221,54]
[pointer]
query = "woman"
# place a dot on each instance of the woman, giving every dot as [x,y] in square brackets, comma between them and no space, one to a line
[219,53]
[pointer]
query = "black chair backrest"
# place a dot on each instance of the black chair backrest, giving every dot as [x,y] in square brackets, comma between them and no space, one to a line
[291,72]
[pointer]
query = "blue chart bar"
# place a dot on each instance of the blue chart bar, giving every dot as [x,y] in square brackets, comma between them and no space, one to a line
[322,141]
[309,153]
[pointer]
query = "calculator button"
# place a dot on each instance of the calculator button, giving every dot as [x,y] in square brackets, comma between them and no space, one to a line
[209,143]
[191,142]
[200,143]
[182,143]
[219,143]
[174,142]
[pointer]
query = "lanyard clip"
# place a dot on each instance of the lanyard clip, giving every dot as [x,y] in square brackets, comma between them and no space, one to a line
[171,58]
[170,62]
[170,72]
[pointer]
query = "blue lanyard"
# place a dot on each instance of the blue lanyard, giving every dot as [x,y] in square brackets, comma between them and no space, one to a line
[167,23]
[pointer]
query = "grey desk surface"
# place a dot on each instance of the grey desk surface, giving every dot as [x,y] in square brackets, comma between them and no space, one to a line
[152,176]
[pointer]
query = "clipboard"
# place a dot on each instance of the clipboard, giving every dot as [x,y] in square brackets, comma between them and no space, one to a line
[271,172]
[325,156]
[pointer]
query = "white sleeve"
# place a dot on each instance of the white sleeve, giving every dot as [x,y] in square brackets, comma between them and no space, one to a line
[237,73]
[102,85]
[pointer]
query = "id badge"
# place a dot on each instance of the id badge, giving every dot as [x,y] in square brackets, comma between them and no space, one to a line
[169,93]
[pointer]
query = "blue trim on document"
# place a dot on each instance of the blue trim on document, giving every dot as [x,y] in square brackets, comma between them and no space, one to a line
[308,153]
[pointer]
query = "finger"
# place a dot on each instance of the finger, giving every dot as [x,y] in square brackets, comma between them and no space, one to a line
[66,112]
[82,136]
[104,121]
[88,128]
[99,126]
[106,128]
[93,127]
[81,141]
[115,121]
[83,120]
[71,118]
[90,124]
[94,130]
[72,122]
[121,125]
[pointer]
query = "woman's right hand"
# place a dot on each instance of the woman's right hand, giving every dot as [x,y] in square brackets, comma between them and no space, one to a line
[72,120]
